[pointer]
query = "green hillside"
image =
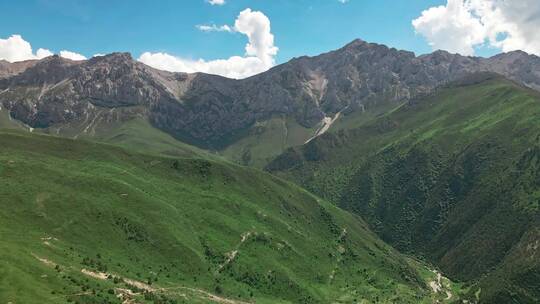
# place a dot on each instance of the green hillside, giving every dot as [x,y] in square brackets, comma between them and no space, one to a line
[124,127]
[266,140]
[129,127]
[84,222]
[138,135]
[452,176]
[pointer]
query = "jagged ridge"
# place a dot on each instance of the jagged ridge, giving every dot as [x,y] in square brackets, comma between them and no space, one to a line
[212,111]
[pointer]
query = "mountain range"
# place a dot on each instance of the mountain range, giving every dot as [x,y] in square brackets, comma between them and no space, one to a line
[436,154]
[214,112]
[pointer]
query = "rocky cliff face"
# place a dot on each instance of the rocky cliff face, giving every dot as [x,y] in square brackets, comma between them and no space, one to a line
[8,69]
[211,111]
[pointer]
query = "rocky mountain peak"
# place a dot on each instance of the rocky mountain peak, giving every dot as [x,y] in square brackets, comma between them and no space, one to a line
[209,110]
[513,54]
[356,43]
[9,69]
[113,58]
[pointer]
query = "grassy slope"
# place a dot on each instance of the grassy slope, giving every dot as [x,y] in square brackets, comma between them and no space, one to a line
[129,127]
[452,176]
[7,123]
[267,140]
[132,131]
[137,134]
[188,227]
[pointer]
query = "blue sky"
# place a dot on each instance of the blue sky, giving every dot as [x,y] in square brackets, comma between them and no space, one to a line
[298,27]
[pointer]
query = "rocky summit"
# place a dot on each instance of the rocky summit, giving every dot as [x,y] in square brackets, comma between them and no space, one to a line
[213,111]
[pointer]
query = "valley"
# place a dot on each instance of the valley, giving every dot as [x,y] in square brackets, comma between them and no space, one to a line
[449,176]
[363,175]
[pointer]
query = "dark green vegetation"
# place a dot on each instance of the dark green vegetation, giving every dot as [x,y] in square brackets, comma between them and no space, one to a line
[85,222]
[453,176]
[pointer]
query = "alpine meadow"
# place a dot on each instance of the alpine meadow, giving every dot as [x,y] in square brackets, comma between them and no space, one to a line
[145,169]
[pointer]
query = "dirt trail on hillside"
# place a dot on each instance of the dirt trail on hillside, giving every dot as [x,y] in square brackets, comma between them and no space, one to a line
[95,275]
[126,294]
[45,261]
[438,286]
[232,255]
[208,295]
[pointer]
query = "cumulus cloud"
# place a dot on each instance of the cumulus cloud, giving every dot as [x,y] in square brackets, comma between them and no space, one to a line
[15,48]
[71,55]
[259,56]
[42,53]
[234,67]
[216,2]
[461,25]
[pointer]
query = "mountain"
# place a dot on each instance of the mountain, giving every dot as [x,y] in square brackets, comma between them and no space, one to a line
[437,153]
[8,69]
[237,117]
[92,223]
[451,176]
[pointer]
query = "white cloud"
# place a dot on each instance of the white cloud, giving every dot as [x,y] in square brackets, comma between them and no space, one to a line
[214,28]
[15,48]
[461,25]
[259,56]
[71,55]
[451,27]
[42,53]
[216,2]
[343,1]
[234,67]
[256,26]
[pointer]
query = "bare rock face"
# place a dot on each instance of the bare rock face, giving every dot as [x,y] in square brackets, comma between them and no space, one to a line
[212,111]
[8,69]
[518,66]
